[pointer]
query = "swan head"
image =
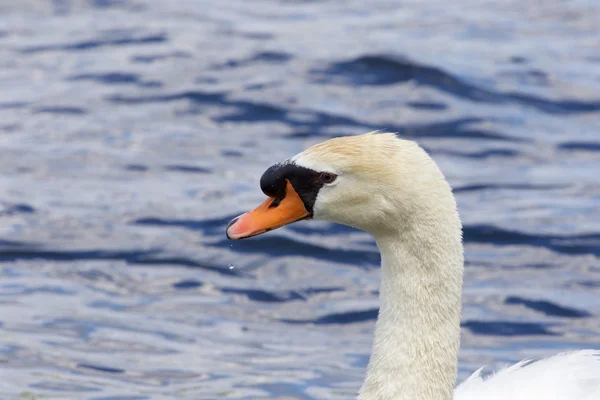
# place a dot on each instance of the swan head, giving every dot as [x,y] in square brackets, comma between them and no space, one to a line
[375,182]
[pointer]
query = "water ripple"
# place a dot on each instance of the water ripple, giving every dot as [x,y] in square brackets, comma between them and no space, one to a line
[507,328]
[573,244]
[23,252]
[387,70]
[118,39]
[547,307]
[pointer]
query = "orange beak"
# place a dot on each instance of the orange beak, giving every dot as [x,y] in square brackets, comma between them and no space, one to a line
[272,214]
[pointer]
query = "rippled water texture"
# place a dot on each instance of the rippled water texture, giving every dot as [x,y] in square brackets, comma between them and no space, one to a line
[132,131]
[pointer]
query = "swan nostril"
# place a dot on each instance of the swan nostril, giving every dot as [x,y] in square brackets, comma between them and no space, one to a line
[277,200]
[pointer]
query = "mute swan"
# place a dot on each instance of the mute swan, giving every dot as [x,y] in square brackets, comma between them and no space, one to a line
[392,189]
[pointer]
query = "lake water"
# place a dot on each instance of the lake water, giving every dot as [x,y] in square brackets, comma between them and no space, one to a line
[132,131]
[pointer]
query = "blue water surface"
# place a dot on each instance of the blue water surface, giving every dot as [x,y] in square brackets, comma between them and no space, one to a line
[132,131]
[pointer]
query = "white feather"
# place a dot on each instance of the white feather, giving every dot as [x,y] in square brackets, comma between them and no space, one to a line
[566,376]
[393,189]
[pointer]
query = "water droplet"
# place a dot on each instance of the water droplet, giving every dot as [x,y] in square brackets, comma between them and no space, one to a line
[231,266]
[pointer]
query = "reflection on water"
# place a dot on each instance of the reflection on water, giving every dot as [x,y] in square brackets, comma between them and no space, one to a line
[132,132]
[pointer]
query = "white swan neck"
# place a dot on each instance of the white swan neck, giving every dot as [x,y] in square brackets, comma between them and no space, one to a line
[417,333]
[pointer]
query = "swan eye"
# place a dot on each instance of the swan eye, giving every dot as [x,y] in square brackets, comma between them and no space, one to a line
[328,177]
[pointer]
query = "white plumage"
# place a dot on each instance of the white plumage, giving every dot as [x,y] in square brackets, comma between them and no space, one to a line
[566,376]
[392,189]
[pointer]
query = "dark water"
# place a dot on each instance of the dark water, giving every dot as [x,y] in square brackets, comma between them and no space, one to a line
[132,131]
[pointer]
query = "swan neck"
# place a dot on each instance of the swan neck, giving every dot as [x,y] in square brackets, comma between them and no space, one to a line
[417,334]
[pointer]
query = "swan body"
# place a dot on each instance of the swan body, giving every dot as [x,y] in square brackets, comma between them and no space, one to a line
[573,375]
[392,189]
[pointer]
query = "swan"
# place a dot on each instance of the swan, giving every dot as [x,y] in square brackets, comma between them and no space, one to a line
[391,188]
